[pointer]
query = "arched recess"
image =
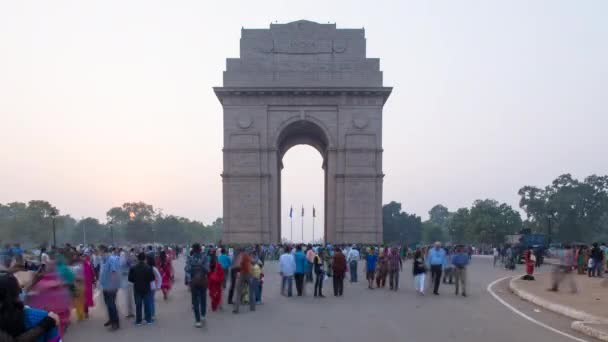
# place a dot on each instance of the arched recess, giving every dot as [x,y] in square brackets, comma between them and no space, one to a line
[302,132]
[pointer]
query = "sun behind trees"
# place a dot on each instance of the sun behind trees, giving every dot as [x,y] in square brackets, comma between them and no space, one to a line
[133,222]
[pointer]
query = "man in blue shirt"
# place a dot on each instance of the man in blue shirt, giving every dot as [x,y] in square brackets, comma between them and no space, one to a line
[371,261]
[225,261]
[460,260]
[301,262]
[436,260]
[109,282]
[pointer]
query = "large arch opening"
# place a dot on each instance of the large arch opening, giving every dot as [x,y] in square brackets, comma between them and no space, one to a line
[305,186]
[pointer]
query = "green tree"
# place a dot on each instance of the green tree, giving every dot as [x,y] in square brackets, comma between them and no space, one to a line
[432,232]
[400,227]
[457,225]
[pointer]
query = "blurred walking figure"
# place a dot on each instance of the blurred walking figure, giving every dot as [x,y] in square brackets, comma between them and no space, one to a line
[245,279]
[564,270]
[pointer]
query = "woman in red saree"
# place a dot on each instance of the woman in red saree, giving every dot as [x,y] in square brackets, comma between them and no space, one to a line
[166,271]
[215,279]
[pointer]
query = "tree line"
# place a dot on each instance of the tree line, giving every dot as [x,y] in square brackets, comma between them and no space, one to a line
[567,210]
[134,222]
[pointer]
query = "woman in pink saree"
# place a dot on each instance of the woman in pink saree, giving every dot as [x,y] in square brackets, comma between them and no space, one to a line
[49,293]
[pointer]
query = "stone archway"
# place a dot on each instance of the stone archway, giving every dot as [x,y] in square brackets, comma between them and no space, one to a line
[302,132]
[302,83]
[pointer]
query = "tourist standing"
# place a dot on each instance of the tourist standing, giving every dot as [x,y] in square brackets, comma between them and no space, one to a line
[382,269]
[436,261]
[166,272]
[141,276]
[300,259]
[89,280]
[353,259]
[154,285]
[598,261]
[460,260]
[287,268]
[339,269]
[310,258]
[419,271]
[370,265]
[197,267]
[318,264]
[109,282]
[395,265]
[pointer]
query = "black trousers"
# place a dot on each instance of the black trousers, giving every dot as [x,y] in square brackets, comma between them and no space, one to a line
[436,277]
[319,284]
[299,277]
[338,285]
[233,274]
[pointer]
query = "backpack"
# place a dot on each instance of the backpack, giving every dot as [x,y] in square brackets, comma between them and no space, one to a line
[199,276]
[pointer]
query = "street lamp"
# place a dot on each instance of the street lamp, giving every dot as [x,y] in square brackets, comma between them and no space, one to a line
[549,217]
[111,225]
[53,214]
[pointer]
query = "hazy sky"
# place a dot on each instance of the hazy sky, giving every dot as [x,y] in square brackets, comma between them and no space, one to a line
[103,102]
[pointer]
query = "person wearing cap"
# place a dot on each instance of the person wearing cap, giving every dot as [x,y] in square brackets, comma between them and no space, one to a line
[352,258]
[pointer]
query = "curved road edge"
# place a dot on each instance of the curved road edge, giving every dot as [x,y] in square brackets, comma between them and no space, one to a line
[523,315]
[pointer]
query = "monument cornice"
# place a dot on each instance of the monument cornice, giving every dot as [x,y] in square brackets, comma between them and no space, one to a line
[222,92]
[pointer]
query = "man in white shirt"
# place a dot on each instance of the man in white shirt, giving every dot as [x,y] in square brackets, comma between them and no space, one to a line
[352,257]
[287,268]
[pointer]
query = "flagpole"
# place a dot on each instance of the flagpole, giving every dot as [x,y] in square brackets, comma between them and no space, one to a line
[313,228]
[302,226]
[291,234]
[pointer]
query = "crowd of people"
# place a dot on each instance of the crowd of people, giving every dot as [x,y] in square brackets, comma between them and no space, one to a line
[46,287]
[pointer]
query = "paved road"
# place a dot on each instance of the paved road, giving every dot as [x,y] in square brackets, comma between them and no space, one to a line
[361,315]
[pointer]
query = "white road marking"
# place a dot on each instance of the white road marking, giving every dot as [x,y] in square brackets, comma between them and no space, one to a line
[510,307]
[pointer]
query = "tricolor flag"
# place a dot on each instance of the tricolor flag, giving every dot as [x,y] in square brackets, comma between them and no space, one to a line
[291,211]
[314,211]
[302,210]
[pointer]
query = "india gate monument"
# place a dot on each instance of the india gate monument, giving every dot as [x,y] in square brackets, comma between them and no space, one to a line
[302,83]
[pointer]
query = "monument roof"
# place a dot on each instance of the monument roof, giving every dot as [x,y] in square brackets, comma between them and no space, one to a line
[303,53]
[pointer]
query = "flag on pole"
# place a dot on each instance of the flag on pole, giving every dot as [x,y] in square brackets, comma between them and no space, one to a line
[291,212]
[314,211]
[302,210]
